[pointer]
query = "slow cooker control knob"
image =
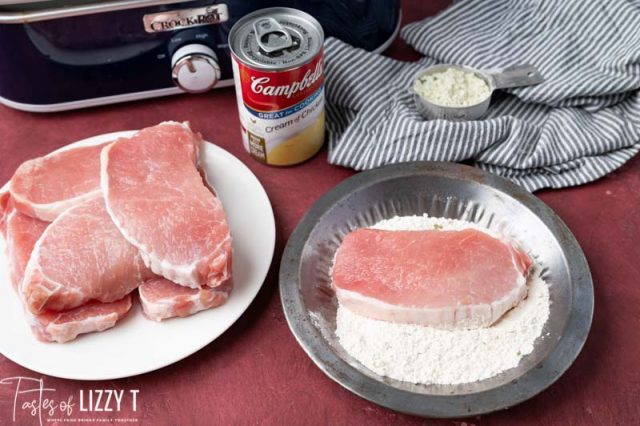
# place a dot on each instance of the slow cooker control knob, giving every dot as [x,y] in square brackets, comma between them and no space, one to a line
[195,68]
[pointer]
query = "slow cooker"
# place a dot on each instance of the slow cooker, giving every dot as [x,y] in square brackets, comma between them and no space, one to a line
[58,55]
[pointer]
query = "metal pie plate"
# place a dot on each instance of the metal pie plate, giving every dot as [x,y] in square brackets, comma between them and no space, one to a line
[441,190]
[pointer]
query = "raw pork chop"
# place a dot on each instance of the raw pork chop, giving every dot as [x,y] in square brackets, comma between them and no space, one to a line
[162,299]
[161,204]
[21,234]
[46,186]
[64,326]
[81,257]
[444,279]
[5,208]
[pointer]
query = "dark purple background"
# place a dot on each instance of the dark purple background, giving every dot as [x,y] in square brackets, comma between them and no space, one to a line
[257,373]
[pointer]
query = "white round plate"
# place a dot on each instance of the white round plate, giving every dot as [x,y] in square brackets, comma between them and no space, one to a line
[137,345]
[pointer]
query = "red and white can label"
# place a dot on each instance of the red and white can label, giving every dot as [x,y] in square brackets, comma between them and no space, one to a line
[282,112]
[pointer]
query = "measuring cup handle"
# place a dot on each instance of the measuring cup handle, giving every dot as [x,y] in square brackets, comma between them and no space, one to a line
[516,76]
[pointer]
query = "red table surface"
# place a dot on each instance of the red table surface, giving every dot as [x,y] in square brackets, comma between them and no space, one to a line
[257,373]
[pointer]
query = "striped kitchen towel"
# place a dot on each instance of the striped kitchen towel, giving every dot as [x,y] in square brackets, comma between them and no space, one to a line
[579,125]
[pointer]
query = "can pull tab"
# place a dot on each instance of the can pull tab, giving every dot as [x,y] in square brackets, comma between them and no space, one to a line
[271,36]
[516,76]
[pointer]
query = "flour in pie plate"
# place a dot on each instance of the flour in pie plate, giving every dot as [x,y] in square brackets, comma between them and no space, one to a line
[419,354]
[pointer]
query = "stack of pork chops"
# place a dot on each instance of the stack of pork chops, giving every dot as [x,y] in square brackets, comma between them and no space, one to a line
[87,228]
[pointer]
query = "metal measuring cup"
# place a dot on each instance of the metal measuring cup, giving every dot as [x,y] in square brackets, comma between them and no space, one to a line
[514,76]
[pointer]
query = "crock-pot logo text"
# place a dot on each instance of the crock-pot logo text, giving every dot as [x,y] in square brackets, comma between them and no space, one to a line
[185,18]
[261,86]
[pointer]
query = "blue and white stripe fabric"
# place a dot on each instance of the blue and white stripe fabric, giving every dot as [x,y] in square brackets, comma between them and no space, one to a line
[577,126]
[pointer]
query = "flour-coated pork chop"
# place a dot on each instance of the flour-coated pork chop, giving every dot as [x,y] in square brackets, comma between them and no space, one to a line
[444,279]
[158,199]
[81,257]
[162,299]
[46,186]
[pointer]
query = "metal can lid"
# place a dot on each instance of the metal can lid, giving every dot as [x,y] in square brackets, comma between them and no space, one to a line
[276,38]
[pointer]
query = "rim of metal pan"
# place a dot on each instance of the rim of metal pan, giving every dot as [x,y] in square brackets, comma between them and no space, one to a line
[534,381]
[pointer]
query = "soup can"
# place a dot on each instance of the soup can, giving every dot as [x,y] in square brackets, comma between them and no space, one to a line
[278,70]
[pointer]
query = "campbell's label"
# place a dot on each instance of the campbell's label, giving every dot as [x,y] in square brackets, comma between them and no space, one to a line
[282,112]
[274,92]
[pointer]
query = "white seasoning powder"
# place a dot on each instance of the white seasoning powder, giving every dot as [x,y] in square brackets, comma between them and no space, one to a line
[419,354]
[452,88]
